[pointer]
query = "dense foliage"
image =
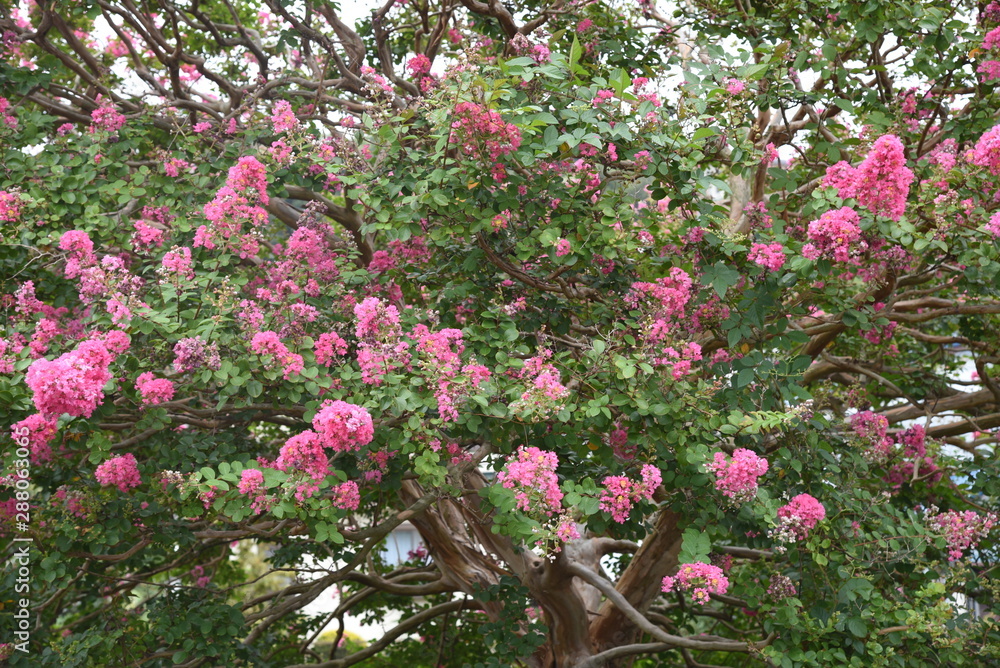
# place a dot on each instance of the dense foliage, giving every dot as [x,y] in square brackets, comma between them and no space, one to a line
[672,330]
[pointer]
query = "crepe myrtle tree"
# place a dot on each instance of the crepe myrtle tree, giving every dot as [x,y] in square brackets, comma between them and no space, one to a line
[673,330]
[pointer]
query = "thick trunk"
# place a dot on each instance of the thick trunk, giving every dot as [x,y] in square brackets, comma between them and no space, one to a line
[470,556]
[639,584]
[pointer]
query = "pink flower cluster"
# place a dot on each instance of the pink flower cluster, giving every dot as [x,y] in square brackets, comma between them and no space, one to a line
[40,432]
[7,351]
[475,124]
[80,249]
[343,427]
[834,234]
[252,484]
[734,86]
[146,236]
[304,453]
[268,343]
[178,261]
[440,354]
[328,345]
[381,348]
[10,207]
[121,472]
[872,428]
[531,474]
[986,152]
[993,226]
[419,65]
[881,183]
[668,297]
[737,478]
[283,117]
[799,516]
[545,393]
[194,353]
[700,579]
[620,493]
[915,460]
[240,200]
[961,530]
[989,69]
[310,247]
[107,118]
[346,495]
[154,390]
[72,383]
[769,256]
[8,119]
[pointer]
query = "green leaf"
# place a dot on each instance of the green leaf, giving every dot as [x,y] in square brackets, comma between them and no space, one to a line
[720,277]
[695,546]
[857,626]
[575,51]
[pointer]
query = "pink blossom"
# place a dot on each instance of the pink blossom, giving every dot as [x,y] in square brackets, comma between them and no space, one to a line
[419,65]
[343,427]
[7,351]
[154,390]
[346,495]
[10,207]
[770,256]
[835,233]
[304,453]
[871,429]
[178,261]
[73,383]
[173,167]
[283,117]
[106,117]
[251,481]
[992,39]
[989,70]
[566,529]
[881,183]
[194,353]
[531,474]
[734,86]
[800,515]
[993,227]
[603,96]
[375,319]
[961,530]
[563,247]
[329,344]
[146,236]
[268,343]
[545,393]
[621,493]
[986,152]
[669,295]
[700,579]
[39,430]
[477,126]
[121,472]
[737,478]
